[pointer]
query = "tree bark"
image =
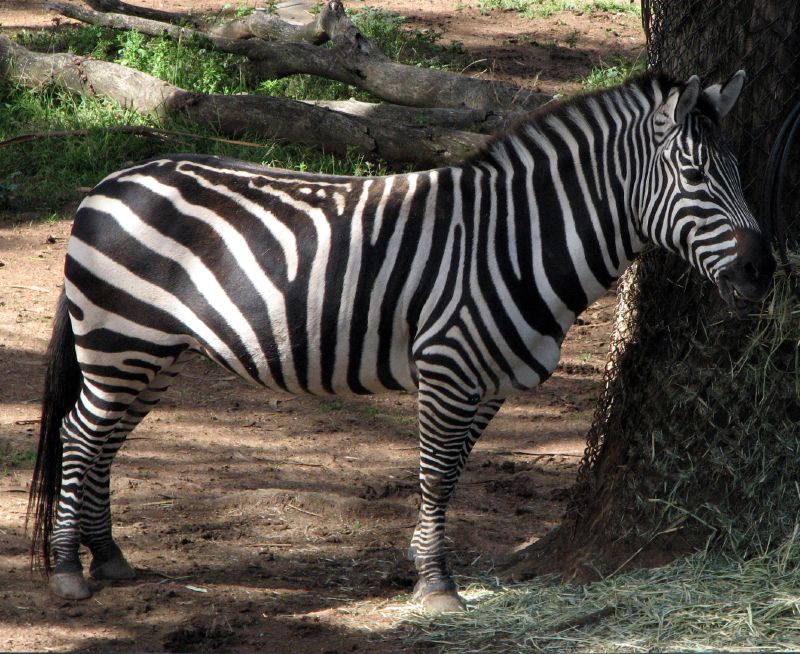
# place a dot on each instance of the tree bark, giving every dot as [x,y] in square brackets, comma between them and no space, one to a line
[700,410]
[330,24]
[239,115]
[269,27]
[351,60]
[469,120]
[143,12]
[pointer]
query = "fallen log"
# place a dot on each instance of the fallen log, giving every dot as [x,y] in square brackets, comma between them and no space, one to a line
[123,21]
[345,62]
[469,120]
[331,23]
[143,12]
[240,115]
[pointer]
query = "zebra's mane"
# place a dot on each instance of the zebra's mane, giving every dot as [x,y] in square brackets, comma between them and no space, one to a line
[644,83]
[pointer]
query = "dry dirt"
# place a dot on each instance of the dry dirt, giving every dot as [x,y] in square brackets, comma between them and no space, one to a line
[276,523]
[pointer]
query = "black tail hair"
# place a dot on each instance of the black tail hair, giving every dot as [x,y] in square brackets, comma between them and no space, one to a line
[62,386]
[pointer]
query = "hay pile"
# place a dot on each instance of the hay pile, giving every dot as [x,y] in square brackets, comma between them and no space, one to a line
[697,457]
[700,603]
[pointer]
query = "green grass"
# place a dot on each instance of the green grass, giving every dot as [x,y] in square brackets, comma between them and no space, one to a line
[43,175]
[190,64]
[546,8]
[605,75]
[11,458]
[91,40]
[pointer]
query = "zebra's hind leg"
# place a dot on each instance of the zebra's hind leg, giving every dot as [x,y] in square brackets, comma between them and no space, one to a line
[449,428]
[84,434]
[108,561]
[107,409]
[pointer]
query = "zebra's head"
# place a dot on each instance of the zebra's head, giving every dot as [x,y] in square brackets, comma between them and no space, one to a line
[693,201]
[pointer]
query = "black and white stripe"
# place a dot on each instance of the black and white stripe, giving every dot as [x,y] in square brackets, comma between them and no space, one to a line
[458,283]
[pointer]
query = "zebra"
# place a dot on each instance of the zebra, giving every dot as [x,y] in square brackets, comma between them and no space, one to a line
[458,284]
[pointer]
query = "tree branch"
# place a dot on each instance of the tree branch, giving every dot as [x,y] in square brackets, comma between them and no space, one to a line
[120,21]
[330,24]
[470,120]
[348,61]
[120,7]
[239,115]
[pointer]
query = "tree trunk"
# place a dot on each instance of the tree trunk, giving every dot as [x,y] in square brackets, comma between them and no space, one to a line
[414,142]
[695,436]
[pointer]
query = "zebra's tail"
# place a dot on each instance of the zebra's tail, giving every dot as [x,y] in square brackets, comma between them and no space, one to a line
[61,389]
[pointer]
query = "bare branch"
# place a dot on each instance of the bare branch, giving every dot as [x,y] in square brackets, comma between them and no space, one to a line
[120,21]
[269,27]
[240,115]
[330,24]
[346,62]
[119,7]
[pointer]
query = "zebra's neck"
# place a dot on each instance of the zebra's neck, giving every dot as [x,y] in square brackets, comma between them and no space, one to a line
[566,224]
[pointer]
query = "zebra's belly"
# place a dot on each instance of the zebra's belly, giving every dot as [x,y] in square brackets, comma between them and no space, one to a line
[510,372]
[301,365]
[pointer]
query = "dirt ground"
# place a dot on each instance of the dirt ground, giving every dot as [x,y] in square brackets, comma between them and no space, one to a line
[277,523]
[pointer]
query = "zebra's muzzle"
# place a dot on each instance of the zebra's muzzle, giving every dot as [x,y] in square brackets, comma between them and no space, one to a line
[747,280]
[735,299]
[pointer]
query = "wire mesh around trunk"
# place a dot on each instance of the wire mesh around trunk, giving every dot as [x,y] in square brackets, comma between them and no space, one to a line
[696,432]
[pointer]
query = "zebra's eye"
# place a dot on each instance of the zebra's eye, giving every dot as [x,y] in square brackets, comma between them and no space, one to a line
[694,175]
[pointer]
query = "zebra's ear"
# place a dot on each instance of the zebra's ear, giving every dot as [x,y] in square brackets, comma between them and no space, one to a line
[724,96]
[687,99]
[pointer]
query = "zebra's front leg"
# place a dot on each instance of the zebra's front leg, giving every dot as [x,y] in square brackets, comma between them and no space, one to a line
[449,428]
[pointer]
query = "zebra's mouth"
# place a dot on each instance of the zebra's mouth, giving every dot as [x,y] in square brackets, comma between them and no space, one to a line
[747,279]
[739,299]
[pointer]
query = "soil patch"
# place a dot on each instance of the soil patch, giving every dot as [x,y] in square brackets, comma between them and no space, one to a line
[277,523]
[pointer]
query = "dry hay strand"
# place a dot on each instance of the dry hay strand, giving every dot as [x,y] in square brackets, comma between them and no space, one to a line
[736,414]
[708,601]
[696,432]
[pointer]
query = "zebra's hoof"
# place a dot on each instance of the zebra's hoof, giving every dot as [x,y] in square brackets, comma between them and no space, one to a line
[438,597]
[113,569]
[69,585]
[443,602]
